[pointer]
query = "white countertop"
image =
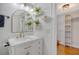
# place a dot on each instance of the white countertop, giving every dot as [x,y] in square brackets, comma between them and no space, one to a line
[16,41]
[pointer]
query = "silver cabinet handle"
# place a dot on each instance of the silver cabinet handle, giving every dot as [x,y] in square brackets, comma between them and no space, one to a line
[39,42]
[28,47]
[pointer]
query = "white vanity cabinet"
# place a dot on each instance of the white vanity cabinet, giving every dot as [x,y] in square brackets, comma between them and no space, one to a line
[33,47]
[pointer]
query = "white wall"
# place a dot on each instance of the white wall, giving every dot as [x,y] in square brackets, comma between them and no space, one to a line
[54,29]
[75,32]
[61,28]
[49,32]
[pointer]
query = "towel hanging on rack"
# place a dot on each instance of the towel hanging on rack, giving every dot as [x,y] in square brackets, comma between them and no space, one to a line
[2,17]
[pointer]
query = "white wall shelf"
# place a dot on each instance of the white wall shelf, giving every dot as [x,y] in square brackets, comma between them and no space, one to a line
[68,30]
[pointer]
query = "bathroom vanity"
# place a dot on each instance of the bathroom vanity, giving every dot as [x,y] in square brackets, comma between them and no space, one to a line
[23,22]
[25,46]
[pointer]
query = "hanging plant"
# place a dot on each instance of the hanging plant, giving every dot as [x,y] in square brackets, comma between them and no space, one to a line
[37,22]
[29,23]
[37,10]
[28,14]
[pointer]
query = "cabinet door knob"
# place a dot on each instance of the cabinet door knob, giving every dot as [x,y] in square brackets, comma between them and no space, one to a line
[28,53]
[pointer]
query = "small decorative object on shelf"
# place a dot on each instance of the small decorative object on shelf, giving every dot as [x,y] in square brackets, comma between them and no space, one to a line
[46,18]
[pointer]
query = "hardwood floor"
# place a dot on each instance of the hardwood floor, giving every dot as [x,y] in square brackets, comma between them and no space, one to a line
[66,50]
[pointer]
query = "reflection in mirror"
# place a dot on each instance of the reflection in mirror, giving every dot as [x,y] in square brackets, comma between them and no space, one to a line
[20,21]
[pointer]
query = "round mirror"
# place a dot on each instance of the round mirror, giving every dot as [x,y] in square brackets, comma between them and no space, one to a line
[19,21]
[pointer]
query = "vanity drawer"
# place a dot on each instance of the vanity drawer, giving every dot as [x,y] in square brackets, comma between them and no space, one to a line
[32,48]
[22,48]
[23,51]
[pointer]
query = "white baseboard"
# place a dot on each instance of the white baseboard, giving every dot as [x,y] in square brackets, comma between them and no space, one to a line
[75,46]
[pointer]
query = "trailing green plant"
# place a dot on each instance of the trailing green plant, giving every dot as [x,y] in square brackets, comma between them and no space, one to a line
[28,14]
[37,22]
[37,10]
[29,23]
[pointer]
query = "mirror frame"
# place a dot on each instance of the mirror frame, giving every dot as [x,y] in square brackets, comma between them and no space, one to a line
[22,23]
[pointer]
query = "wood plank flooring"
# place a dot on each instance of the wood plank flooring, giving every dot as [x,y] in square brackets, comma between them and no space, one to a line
[66,50]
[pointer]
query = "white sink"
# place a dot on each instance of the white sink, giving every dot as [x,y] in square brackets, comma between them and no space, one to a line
[16,41]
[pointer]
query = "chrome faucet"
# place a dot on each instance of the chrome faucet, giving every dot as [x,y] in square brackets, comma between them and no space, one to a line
[20,35]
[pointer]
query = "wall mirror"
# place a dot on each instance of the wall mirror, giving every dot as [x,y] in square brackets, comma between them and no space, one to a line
[21,21]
